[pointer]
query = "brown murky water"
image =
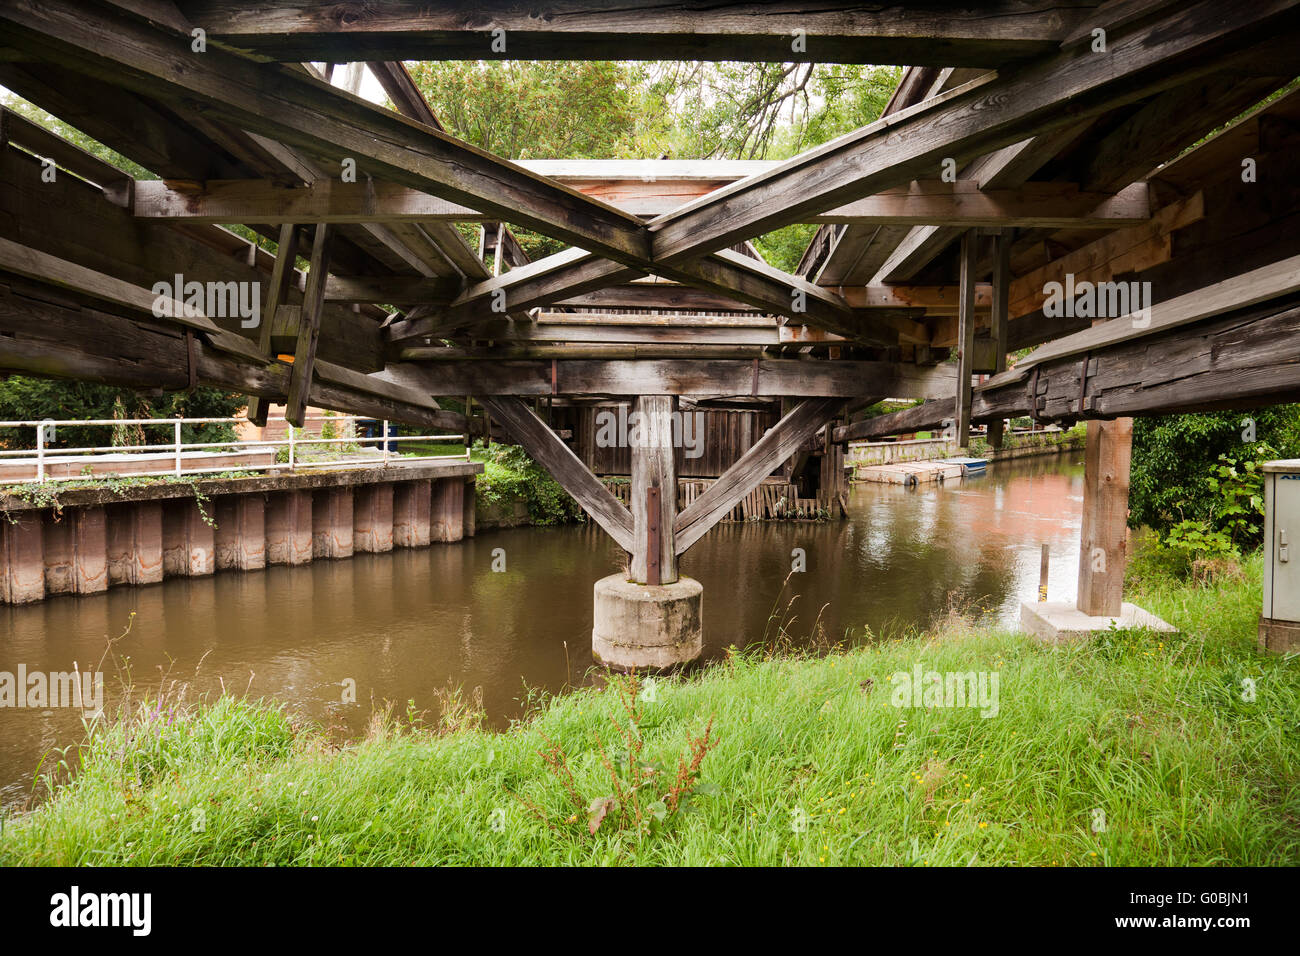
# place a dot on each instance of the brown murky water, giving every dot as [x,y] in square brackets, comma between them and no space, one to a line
[402,625]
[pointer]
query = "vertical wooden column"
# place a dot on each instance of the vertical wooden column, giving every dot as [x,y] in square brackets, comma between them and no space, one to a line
[277,295]
[447,510]
[654,489]
[22,558]
[411,501]
[313,301]
[469,492]
[288,528]
[372,518]
[1001,302]
[1103,540]
[135,543]
[965,338]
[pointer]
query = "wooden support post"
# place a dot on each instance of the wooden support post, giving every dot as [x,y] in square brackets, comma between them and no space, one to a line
[1001,302]
[288,528]
[1103,539]
[372,518]
[240,535]
[654,491]
[965,338]
[447,510]
[277,294]
[313,301]
[135,543]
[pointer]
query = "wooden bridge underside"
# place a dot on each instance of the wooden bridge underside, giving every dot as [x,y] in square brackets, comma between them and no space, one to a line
[1068,160]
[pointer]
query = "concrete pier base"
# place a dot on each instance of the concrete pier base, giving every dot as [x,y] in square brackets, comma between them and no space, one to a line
[1278,637]
[288,528]
[1060,622]
[646,627]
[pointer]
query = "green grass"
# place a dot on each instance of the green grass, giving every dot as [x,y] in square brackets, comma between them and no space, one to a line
[1152,730]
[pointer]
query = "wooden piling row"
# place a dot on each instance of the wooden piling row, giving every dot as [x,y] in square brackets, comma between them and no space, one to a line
[88,549]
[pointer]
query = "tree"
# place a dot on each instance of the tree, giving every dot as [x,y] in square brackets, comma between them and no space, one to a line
[1176,474]
[37,399]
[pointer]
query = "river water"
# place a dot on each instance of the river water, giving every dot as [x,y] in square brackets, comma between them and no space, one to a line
[401,626]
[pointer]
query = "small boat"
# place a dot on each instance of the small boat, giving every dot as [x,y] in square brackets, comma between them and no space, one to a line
[969,466]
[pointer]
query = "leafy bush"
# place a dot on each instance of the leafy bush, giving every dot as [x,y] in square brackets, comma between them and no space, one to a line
[1178,460]
[36,399]
[510,475]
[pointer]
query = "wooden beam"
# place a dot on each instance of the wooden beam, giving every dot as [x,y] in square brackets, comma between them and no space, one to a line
[17,129]
[1245,360]
[985,114]
[1038,205]
[1257,285]
[963,203]
[313,300]
[392,290]
[545,447]
[300,111]
[1001,30]
[47,337]
[779,442]
[765,378]
[401,89]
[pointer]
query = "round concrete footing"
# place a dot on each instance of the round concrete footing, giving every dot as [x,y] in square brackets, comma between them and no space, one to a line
[646,627]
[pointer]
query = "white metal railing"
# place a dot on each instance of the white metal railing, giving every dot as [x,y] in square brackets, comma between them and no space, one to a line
[44,457]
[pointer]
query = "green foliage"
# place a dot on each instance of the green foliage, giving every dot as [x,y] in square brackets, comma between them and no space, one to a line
[510,475]
[1196,481]
[534,110]
[35,399]
[785,247]
[75,136]
[808,763]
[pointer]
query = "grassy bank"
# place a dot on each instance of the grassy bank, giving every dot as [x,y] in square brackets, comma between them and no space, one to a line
[761,759]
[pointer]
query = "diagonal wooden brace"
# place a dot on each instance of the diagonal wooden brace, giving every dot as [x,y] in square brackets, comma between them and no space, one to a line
[546,448]
[781,441]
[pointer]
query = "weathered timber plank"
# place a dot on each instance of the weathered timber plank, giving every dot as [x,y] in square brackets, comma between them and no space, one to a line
[780,442]
[545,447]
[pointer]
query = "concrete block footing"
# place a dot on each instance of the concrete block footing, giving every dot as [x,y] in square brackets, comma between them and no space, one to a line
[1278,637]
[644,627]
[1060,622]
